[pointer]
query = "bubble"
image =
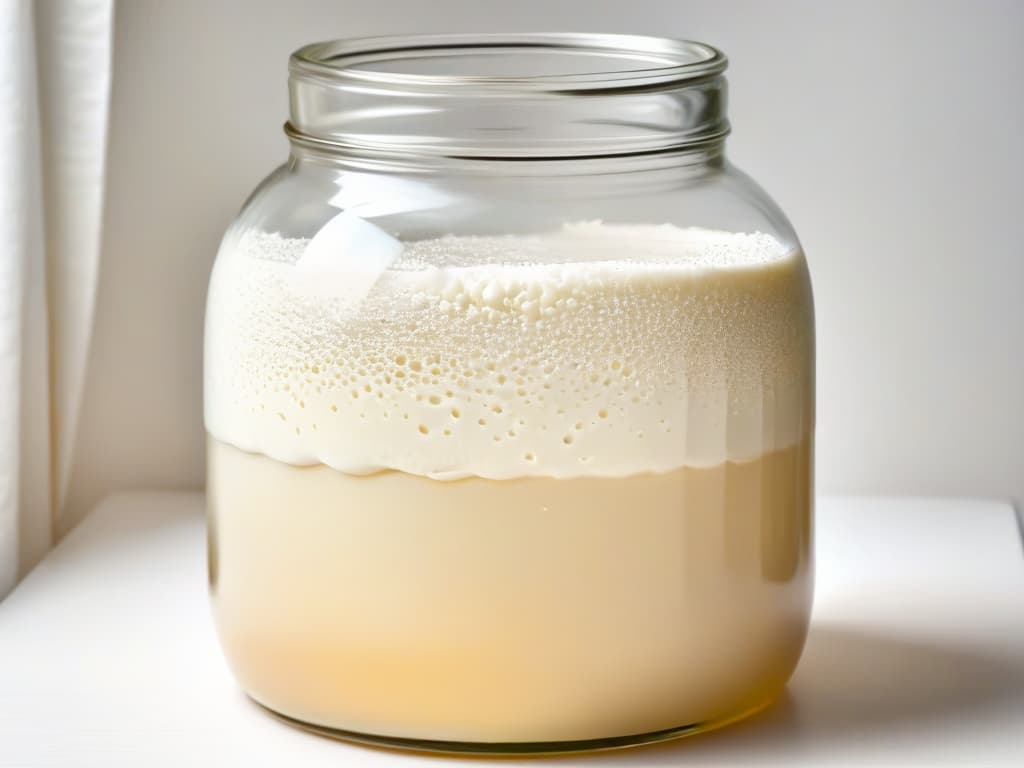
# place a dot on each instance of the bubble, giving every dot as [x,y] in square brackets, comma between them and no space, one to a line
[423,429]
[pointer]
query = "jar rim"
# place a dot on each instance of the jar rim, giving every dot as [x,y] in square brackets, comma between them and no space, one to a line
[656,61]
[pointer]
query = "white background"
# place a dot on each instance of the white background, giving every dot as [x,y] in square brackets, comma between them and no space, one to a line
[892,133]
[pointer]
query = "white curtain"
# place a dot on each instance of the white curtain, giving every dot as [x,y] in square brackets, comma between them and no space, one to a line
[55,65]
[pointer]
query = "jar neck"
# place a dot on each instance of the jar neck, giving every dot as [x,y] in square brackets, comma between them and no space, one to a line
[531,99]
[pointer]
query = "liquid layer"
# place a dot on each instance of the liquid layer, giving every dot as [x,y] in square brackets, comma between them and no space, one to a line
[532,609]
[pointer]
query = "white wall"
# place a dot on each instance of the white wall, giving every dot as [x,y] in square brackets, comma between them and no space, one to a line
[891,132]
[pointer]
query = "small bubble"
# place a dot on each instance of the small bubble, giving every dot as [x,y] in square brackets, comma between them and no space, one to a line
[578,425]
[302,403]
[416,365]
[400,360]
[447,433]
[497,409]
[567,439]
[423,429]
[482,422]
[616,365]
[334,408]
[603,413]
[529,457]
[456,413]
[435,400]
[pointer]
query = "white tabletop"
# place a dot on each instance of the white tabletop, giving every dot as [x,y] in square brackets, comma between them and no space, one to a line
[916,652]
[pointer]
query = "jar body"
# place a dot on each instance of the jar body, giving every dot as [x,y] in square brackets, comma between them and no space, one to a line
[511,460]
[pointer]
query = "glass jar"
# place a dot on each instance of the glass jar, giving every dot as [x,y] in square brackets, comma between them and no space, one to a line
[509,387]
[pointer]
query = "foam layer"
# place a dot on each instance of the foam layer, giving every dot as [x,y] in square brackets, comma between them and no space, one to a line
[593,351]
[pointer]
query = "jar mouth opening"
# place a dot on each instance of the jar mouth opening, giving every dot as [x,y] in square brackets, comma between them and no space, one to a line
[515,96]
[553,62]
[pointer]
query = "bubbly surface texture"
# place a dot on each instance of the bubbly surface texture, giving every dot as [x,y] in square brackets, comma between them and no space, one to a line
[595,350]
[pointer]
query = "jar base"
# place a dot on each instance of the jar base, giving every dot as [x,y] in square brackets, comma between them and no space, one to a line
[513,748]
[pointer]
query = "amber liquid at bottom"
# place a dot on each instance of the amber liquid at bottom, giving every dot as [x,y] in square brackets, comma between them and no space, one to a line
[529,610]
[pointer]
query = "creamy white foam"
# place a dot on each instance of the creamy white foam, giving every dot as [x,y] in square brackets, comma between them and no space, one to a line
[596,350]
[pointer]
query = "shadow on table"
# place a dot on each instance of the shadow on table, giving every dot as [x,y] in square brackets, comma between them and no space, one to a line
[852,687]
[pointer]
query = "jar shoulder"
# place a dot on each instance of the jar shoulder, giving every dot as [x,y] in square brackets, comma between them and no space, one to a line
[298,199]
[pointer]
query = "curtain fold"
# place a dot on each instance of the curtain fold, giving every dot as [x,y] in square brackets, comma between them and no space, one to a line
[55,69]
